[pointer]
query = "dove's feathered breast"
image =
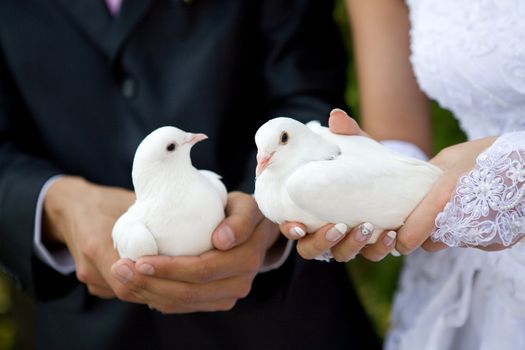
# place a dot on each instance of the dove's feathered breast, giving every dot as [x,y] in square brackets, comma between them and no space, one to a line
[366,183]
[271,194]
[182,216]
[178,207]
[275,203]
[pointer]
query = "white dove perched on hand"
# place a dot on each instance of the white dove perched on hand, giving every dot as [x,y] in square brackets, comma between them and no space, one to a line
[307,174]
[177,206]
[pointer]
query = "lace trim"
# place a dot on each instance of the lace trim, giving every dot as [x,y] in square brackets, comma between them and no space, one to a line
[488,205]
[326,256]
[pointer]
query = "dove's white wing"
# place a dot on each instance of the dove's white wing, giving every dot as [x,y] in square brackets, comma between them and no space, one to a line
[132,239]
[351,191]
[315,126]
[215,180]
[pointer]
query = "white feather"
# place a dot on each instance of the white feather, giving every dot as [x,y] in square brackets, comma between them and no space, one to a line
[215,180]
[177,204]
[360,181]
[132,239]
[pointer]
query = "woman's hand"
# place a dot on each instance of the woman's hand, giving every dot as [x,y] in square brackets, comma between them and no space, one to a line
[454,161]
[343,242]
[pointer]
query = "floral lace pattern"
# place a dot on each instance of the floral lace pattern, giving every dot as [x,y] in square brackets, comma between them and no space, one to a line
[488,205]
[470,57]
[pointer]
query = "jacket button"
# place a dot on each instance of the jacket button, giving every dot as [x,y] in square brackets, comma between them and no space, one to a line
[129,88]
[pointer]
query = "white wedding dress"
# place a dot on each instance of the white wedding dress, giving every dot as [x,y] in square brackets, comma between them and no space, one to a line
[469,55]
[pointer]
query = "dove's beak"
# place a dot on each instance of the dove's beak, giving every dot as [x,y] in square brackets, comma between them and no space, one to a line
[263,160]
[192,139]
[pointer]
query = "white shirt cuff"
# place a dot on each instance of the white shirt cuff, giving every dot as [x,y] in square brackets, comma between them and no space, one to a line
[60,260]
[276,255]
[405,148]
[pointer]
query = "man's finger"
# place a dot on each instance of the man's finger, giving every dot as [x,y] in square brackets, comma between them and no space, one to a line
[192,269]
[243,215]
[104,293]
[104,263]
[169,293]
[218,305]
[207,267]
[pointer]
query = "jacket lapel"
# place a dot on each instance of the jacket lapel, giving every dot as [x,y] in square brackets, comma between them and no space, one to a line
[131,12]
[106,32]
[92,18]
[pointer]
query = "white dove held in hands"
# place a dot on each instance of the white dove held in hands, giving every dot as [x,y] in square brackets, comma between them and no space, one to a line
[177,206]
[307,174]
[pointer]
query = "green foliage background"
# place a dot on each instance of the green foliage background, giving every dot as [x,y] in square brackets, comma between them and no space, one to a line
[375,282]
[7,328]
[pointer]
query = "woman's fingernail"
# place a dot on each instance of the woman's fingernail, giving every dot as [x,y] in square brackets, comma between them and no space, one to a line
[364,231]
[124,273]
[335,110]
[390,238]
[226,237]
[296,231]
[394,252]
[146,269]
[336,232]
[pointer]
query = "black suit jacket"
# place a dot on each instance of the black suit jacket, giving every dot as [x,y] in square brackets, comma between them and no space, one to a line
[78,92]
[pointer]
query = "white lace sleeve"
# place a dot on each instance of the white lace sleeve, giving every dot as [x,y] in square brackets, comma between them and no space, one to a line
[488,205]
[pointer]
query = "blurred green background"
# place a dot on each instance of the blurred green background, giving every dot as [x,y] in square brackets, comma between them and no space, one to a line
[375,282]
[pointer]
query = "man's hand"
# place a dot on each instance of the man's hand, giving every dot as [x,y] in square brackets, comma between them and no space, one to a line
[344,245]
[213,281]
[81,215]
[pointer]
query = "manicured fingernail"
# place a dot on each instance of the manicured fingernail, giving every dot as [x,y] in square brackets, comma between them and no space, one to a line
[146,269]
[364,232]
[124,273]
[296,231]
[389,238]
[336,232]
[335,110]
[394,252]
[226,236]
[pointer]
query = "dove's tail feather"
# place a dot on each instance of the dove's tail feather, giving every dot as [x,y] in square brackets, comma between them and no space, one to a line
[132,239]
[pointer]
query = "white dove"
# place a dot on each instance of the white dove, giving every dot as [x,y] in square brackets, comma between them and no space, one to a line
[307,174]
[177,206]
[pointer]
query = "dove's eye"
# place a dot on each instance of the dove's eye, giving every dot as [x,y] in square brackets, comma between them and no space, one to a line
[171,147]
[284,138]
